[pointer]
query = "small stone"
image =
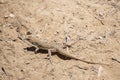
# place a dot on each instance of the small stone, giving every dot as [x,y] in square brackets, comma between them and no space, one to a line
[6,16]
[100,37]
[11,15]
[26,62]
[56,33]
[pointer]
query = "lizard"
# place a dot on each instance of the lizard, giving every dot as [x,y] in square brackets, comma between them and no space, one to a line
[54,48]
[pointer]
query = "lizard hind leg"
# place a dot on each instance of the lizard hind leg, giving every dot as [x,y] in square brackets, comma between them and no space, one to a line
[49,54]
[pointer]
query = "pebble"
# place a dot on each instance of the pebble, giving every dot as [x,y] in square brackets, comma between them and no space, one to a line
[26,62]
[11,15]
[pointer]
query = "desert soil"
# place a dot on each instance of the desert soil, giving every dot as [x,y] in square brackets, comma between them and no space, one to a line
[94,24]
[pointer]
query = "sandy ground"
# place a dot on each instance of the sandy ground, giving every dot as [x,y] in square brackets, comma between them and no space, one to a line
[94,23]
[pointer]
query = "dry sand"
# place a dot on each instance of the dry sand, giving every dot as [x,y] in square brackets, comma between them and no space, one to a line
[96,23]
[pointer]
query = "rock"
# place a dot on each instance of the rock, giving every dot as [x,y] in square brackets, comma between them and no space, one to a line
[11,15]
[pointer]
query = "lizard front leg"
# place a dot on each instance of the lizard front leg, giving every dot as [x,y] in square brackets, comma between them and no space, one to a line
[36,50]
